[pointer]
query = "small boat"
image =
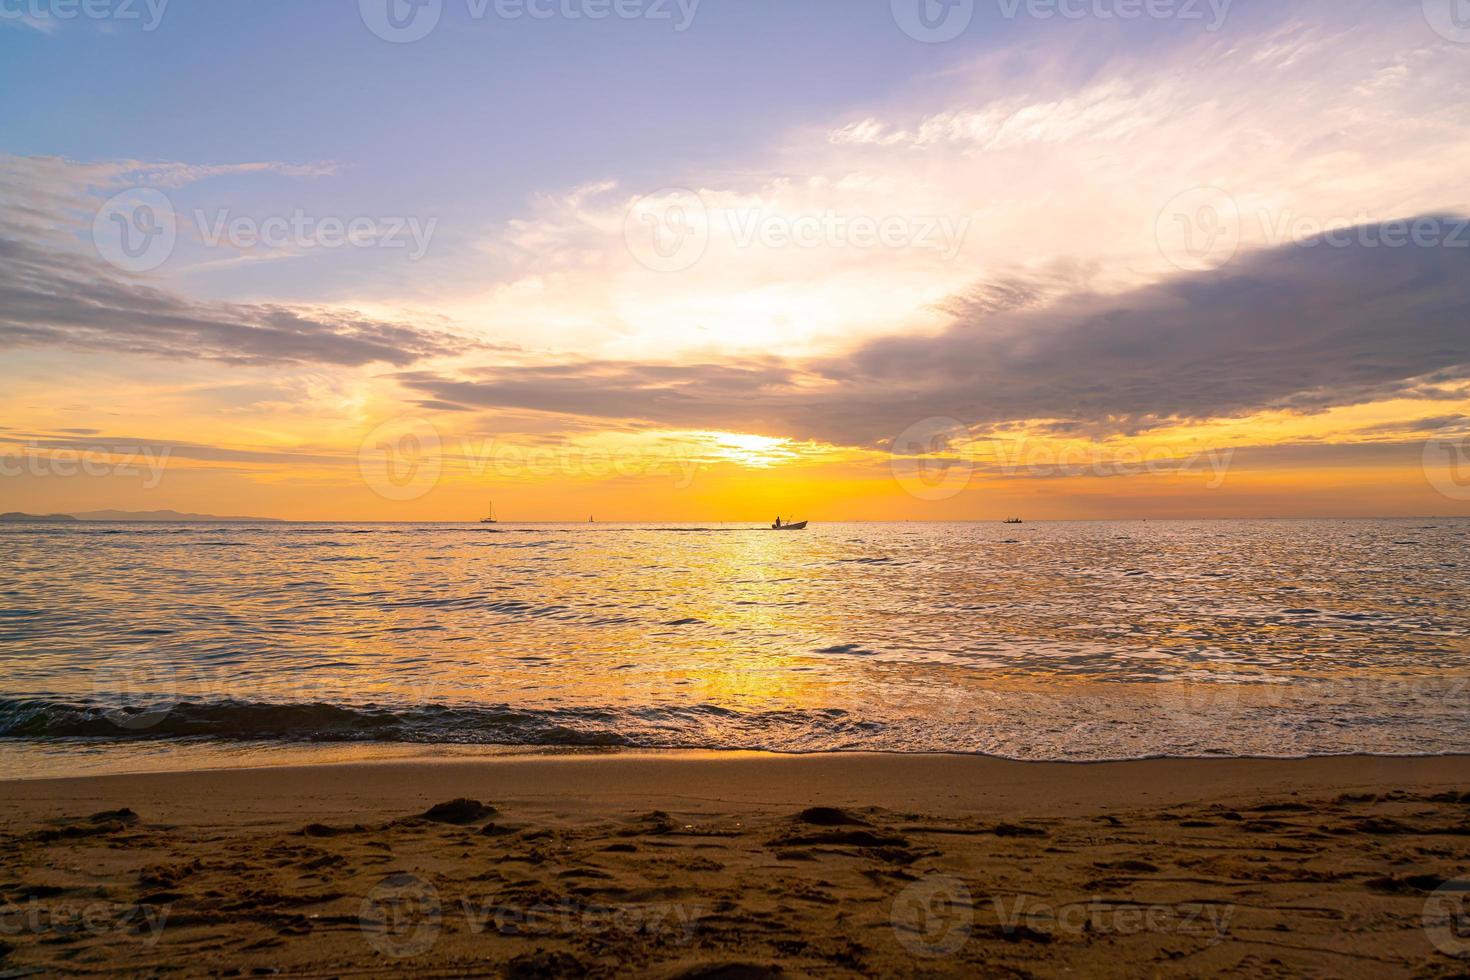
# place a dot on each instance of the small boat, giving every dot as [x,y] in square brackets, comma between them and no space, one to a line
[778,526]
[491,519]
[1015,520]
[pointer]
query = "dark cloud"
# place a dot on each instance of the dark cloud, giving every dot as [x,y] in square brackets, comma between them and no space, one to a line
[438,406]
[161,448]
[1321,455]
[1304,327]
[1431,424]
[57,298]
[692,394]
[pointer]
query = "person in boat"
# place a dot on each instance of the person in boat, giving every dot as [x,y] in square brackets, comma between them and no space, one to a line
[778,523]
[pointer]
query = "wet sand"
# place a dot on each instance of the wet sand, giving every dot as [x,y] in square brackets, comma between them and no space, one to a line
[743,865]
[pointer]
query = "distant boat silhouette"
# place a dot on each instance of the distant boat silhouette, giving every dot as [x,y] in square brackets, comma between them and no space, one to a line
[778,526]
[491,519]
[1015,520]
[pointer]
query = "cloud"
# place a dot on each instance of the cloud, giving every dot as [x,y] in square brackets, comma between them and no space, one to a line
[53,293]
[1301,328]
[45,198]
[1433,423]
[1059,148]
[692,394]
[55,298]
[166,449]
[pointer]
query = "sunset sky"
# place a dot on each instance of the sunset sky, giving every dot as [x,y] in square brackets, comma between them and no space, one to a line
[723,260]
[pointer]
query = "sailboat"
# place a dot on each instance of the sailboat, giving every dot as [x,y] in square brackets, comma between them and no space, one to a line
[491,519]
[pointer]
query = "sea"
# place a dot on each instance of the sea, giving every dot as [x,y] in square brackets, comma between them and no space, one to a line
[146,646]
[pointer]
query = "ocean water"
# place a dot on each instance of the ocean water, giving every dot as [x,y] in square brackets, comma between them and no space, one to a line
[125,643]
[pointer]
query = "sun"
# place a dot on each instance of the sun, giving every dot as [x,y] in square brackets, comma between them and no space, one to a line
[749,450]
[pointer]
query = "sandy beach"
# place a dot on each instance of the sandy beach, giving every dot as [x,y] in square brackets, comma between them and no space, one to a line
[743,865]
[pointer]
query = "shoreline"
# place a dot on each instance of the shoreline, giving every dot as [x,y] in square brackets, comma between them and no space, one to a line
[586,772]
[193,756]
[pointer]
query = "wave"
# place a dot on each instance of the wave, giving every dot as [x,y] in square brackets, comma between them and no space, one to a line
[61,725]
[699,726]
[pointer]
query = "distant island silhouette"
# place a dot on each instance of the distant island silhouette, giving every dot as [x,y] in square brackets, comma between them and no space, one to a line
[16,517]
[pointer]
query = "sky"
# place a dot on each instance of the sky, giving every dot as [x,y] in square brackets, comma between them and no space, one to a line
[728,259]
